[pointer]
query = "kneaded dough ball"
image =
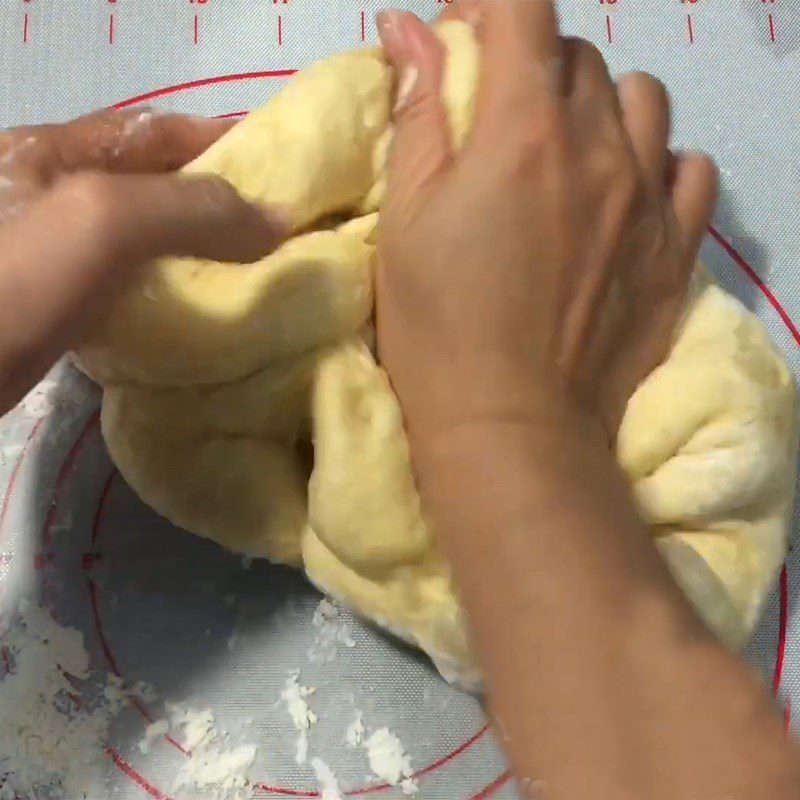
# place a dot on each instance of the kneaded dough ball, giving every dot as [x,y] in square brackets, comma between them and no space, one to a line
[217,376]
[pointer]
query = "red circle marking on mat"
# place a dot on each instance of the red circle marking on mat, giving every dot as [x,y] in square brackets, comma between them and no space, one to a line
[502,779]
[182,87]
[112,662]
[93,591]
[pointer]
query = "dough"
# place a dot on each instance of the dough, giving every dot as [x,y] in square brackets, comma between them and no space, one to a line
[215,376]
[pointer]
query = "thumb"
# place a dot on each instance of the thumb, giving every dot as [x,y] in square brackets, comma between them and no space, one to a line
[421,148]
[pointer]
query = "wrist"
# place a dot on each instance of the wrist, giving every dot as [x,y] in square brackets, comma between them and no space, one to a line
[496,415]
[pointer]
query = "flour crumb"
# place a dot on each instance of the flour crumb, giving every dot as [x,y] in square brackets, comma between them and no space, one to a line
[294,695]
[153,731]
[210,766]
[144,691]
[354,735]
[389,761]
[328,782]
[331,631]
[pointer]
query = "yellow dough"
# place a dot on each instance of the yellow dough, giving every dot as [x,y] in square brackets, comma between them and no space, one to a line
[215,376]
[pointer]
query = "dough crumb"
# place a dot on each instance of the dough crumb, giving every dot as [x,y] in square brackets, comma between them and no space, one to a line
[209,765]
[153,731]
[294,695]
[331,631]
[328,782]
[389,761]
[354,735]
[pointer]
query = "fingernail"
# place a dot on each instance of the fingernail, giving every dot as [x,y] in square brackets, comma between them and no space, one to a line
[392,33]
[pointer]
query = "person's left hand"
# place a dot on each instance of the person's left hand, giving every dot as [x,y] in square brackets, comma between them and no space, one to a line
[81,204]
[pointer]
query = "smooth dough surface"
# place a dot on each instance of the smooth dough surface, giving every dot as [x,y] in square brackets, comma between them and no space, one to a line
[217,376]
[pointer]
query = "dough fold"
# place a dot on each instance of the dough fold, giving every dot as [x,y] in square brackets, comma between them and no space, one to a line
[218,376]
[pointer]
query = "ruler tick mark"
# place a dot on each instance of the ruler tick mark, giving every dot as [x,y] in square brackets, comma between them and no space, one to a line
[196,28]
[26,29]
[772,33]
[280,30]
[690,28]
[609,33]
[363,26]
[111,31]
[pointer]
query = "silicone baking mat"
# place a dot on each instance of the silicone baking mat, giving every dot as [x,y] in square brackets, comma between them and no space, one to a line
[158,605]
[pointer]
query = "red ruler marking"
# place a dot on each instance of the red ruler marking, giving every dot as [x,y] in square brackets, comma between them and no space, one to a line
[280,30]
[772,34]
[111,31]
[26,29]
[609,34]
[690,27]
[196,28]
[363,26]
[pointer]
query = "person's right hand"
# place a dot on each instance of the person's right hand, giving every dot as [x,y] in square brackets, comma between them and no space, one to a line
[543,268]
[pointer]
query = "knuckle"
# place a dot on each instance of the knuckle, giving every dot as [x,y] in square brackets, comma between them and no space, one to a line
[533,132]
[28,149]
[94,204]
[609,164]
[616,180]
[92,192]
[413,106]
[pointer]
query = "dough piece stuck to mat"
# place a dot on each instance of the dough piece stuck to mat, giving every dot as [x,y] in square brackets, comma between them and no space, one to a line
[216,375]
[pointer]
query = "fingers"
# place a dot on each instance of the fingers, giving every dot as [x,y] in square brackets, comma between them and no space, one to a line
[521,68]
[421,147]
[76,247]
[85,235]
[694,195]
[646,115]
[132,218]
[131,141]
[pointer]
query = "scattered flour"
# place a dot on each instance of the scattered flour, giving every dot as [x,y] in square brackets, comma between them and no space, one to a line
[40,401]
[51,744]
[220,772]
[388,760]
[331,631]
[302,716]
[328,783]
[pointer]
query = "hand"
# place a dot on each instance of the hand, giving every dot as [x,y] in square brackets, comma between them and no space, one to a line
[546,264]
[82,204]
